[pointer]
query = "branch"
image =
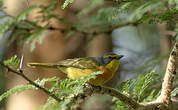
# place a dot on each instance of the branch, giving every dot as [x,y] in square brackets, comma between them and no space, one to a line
[72,28]
[20,73]
[157,106]
[75,100]
[90,89]
[112,92]
[119,1]
[169,77]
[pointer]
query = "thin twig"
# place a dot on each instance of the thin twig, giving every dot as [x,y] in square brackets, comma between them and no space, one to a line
[21,64]
[31,82]
[27,1]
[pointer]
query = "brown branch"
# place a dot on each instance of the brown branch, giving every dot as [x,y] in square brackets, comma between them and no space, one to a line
[20,73]
[62,30]
[112,92]
[119,1]
[157,106]
[90,89]
[169,77]
[134,23]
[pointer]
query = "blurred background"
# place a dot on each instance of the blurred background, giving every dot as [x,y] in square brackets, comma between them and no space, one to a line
[144,46]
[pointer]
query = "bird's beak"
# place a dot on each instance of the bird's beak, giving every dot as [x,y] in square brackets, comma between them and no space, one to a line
[120,56]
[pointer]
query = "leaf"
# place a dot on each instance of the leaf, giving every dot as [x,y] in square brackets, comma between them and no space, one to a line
[119,105]
[91,5]
[11,23]
[16,90]
[45,80]
[24,14]
[5,27]
[143,83]
[152,96]
[13,62]
[36,37]
[125,87]
[148,6]
[51,7]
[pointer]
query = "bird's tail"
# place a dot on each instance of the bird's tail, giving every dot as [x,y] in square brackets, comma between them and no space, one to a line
[43,65]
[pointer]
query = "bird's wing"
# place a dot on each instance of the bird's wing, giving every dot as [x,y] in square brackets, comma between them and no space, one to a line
[82,63]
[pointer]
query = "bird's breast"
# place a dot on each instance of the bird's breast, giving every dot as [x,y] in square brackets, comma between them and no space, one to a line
[75,73]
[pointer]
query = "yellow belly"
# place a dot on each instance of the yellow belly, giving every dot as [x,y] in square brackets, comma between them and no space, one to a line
[75,73]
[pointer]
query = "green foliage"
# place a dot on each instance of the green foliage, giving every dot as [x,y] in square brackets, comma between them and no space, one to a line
[168,16]
[13,23]
[141,86]
[36,37]
[16,90]
[152,5]
[66,89]
[28,31]
[91,5]
[13,62]
[46,80]
[119,105]
[104,19]
[21,88]
[142,89]
[125,87]
[23,16]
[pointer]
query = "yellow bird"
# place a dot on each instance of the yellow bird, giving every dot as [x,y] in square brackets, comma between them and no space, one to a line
[77,67]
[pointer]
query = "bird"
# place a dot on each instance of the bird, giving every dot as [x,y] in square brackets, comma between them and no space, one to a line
[78,67]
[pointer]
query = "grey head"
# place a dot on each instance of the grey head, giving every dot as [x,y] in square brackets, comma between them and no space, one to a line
[107,58]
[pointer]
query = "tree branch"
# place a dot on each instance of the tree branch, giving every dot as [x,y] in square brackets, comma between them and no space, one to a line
[90,89]
[157,106]
[72,28]
[112,92]
[169,77]
[31,82]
